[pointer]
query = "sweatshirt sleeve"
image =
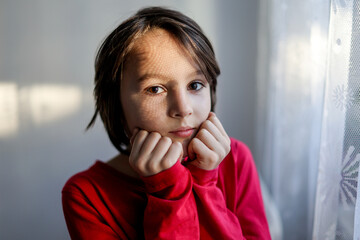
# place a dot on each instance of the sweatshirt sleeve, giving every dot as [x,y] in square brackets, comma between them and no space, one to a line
[171,211]
[228,198]
[217,221]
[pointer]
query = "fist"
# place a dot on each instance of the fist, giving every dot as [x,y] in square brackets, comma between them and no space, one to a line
[210,145]
[152,153]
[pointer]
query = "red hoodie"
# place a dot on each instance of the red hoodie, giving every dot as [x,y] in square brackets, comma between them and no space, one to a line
[183,202]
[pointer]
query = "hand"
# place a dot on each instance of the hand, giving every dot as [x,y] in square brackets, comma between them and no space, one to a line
[210,145]
[151,153]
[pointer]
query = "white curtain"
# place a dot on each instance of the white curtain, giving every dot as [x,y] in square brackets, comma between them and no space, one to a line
[308,129]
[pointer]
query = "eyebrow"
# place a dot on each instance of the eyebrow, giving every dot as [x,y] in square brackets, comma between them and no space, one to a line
[161,76]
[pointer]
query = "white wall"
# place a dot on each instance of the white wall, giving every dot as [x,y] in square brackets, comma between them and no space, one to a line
[47,50]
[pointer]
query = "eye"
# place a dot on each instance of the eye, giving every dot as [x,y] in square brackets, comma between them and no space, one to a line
[155,90]
[196,86]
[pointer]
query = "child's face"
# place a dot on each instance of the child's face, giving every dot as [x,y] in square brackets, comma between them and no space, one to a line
[163,90]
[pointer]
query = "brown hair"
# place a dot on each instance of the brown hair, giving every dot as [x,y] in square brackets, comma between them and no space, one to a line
[114,50]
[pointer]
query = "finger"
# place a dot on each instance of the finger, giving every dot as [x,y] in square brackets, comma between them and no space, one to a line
[212,129]
[197,148]
[140,155]
[161,148]
[138,142]
[222,140]
[215,120]
[212,143]
[226,139]
[202,152]
[149,143]
[136,130]
[211,114]
[172,156]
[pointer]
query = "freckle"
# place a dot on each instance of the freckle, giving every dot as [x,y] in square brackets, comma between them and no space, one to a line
[150,112]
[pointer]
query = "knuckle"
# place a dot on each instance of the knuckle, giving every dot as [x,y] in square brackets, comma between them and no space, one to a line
[212,118]
[142,133]
[174,145]
[223,153]
[132,164]
[167,140]
[206,123]
[210,124]
[228,149]
[196,140]
[202,133]
[152,167]
[177,146]
[140,159]
[155,135]
[165,164]
[213,157]
[138,166]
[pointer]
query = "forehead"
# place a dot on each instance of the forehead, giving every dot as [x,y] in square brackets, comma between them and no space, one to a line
[158,49]
[156,41]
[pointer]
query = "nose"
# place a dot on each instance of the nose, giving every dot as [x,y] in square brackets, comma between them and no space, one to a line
[180,105]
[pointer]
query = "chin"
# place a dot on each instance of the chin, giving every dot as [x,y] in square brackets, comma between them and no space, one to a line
[185,145]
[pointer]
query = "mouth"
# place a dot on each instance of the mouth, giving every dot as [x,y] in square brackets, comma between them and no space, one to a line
[183,132]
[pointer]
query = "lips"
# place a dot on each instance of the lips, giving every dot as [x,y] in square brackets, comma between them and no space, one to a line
[183,132]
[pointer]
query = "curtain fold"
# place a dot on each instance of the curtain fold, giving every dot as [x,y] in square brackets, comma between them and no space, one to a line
[308,135]
[336,186]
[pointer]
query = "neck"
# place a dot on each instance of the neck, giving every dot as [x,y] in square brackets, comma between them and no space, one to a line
[121,164]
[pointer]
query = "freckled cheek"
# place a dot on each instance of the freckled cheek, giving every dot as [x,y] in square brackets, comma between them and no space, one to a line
[146,114]
[202,107]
